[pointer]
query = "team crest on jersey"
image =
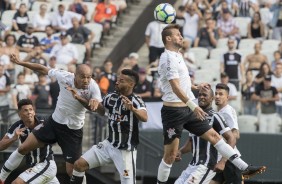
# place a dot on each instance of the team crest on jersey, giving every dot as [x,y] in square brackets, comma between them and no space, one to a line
[100,146]
[170,132]
[125,173]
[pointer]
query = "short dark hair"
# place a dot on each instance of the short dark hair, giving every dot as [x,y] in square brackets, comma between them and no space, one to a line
[167,31]
[222,86]
[24,102]
[20,74]
[132,74]
[10,35]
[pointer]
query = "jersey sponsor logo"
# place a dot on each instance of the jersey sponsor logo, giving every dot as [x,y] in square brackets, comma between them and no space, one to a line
[67,157]
[117,117]
[170,132]
[100,146]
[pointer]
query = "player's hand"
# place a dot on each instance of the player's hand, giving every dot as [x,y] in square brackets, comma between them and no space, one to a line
[73,92]
[127,103]
[93,104]
[204,86]
[19,132]
[200,114]
[178,156]
[264,100]
[14,59]
[219,167]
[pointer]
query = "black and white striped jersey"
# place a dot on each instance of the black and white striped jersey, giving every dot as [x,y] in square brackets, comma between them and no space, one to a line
[122,123]
[38,155]
[203,152]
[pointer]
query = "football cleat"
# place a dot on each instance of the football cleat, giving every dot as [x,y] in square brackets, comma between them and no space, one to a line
[253,170]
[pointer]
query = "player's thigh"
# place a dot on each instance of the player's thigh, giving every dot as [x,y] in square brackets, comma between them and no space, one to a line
[125,162]
[41,173]
[201,174]
[98,155]
[31,143]
[18,181]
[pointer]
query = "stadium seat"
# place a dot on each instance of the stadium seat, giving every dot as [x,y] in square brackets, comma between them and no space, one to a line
[248,43]
[97,29]
[217,53]
[203,76]
[247,123]
[242,23]
[269,54]
[36,6]
[7,17]
[17,35]
[237,104]
[81,52]
[244,52]
[212,65]
[270,45]
[39,35]
[200,53]
[91,8]
[31,15]
[222,43]
[23,55]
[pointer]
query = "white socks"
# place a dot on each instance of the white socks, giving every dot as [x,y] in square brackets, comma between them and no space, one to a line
[11,164]
[228,152]
[164,171]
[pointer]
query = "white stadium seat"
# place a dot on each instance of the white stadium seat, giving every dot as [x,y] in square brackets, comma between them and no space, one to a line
[17,35]
[270,45]
[81,52]
[203,76]
[222,43]
[200,53]
[242,23]
[217,53]
[39,35]
[213,65]
[97,29]
[247,123]
[248,43]
[269,54]
[7,17]
[91,8]
[31,15]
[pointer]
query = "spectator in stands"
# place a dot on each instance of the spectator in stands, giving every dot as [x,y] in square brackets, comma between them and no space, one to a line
[232,6]
[30,78]
[192,18]
[247,90]
[101,80]
[4,91]
[143,88]
[227,26]
[41,93]
[111,76]
[232,88]
[231,63]
[255,60]
[121,5]
[105,13]
[207,36]
[41,19]
[16,4]
[276,22]
[61,21]
[65,52]
[20,19]
[263,71]
[81,35]
[179,18]
[133,61]
[27,42]
[267,95]
[35,56]
[188,56]
[256,27]
[78,7]
[277,59]
[245,6]
[10,48]
[48,42]
[52,62]
[154,41]
[20,91]
[71,68]
[276,81]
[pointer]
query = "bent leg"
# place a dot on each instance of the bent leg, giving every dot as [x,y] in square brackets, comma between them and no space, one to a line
[18,181]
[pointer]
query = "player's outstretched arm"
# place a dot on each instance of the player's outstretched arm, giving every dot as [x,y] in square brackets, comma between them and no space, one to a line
[33,66]
[6,142]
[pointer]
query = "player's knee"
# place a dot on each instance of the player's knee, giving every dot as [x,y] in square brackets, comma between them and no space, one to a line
[80,165]
[23,150]
[18,181]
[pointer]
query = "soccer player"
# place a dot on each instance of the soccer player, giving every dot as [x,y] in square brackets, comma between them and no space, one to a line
[42,167]
[205,156]
[65,124]
[125,111]
[179,109]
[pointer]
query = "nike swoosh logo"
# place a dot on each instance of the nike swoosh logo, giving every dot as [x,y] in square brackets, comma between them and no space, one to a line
[68,157]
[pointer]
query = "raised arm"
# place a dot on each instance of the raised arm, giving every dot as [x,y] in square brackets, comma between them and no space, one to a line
[33,66]
[6,142]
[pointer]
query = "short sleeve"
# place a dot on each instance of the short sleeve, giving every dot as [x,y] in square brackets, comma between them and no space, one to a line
[139,103]
[230,120]
[60,75]
[171,70]
[95,91]
[148,30]
[219,124]
[106,100]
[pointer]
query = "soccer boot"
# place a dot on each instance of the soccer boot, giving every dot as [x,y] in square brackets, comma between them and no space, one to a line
[253,170]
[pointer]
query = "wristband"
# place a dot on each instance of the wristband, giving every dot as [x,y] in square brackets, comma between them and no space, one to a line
[191,105]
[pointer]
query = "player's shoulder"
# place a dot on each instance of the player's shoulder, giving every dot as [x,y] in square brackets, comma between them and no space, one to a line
[17,124]
[113,95]
[41,119]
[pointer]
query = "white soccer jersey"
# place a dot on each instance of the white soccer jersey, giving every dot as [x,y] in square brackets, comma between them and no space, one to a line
[172,66]
[231,120]
[70,111]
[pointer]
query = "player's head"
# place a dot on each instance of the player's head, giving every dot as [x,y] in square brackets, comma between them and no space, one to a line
[126,81]
[221,94]
[83,74]
[172,37]
[205,97]
[26,111]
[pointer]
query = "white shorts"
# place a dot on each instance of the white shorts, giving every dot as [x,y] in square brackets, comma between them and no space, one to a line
[42,173]
[195,175]
[104,153]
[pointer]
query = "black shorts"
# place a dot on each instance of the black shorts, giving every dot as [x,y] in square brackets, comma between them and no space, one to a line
[230,175]
[68,139]
[174,119]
